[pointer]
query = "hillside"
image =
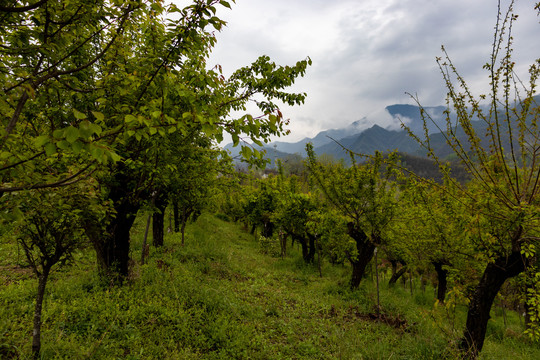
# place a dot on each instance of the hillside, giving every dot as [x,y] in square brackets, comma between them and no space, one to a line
[220,297]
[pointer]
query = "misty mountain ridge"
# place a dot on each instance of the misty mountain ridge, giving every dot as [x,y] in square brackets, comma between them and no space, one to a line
[361,136]
[365,136]
[368,131]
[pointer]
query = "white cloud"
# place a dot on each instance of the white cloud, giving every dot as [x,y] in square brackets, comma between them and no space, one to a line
[367,54]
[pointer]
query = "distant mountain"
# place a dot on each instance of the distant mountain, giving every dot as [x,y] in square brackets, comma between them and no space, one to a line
[370,140]
[271,153]
[411,116]
[324,137]
[362,138]
[408,114]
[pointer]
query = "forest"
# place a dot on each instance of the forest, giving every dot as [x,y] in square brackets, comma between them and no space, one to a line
[111,125]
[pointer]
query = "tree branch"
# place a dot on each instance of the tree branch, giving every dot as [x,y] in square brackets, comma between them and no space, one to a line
[21,9]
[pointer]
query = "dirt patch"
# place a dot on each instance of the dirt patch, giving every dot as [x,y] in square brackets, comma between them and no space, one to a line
[10,274]
[353,312]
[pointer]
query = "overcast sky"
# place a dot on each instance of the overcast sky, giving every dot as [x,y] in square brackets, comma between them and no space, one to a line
[367,53]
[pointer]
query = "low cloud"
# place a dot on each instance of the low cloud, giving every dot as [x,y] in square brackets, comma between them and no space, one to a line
[367,55]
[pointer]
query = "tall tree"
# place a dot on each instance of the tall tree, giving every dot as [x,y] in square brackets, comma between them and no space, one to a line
[503,197]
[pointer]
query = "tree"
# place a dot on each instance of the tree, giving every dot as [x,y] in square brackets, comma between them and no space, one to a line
[292,216]
[196,101]
[191,190]
[49,228]
[364,195]
[503,196]
[436,240]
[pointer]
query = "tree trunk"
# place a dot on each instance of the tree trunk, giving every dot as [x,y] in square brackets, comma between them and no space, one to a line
[158,220]
[441,280]
[112,246]
[307,254]
[396,274]
[36,333]
[145,247]
[267,229]
[283,243]
[365,250]
[183,230]
[494,276]
[176,215]
[312,248]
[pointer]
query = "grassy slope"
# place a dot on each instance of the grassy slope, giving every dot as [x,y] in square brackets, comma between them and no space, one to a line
[220,298]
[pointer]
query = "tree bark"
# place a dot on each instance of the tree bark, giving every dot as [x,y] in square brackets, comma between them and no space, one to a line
[158,220]
[308,253]
[112,246]
[312,249]
[183,229]
[365,249]
[396,274]
[36,333]
[442,280]
[267,229]
[176,215]
[144,246]
[494,276]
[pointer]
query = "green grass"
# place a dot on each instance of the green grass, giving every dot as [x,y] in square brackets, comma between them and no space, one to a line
[219,297]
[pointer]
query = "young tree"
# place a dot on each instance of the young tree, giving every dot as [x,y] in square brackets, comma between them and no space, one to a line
[49,230]
[292,216]
[363,194]
[429,232]
[504,162]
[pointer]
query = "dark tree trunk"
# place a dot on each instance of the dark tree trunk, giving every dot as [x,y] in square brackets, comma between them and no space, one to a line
[365,250]
[36,333]
[308,252]
[283,243]
[304,245]
[396,274]
[267,229]
[441,280]
[112,247]
[186,213]
[312,249]
[183,229]
[494,276]
[176,215]
[158,220]
[145,247]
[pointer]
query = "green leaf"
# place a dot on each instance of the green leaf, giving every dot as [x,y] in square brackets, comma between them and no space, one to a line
[64,145]
[99,116]
[41,140]
[114,156]
[58,134]
[72,134]
[225,3]
[96,129]
[50,149]
[79,115]
[130,118]
[77,147]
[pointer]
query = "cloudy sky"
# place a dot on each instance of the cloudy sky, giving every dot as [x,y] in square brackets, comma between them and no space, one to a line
[368,53]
